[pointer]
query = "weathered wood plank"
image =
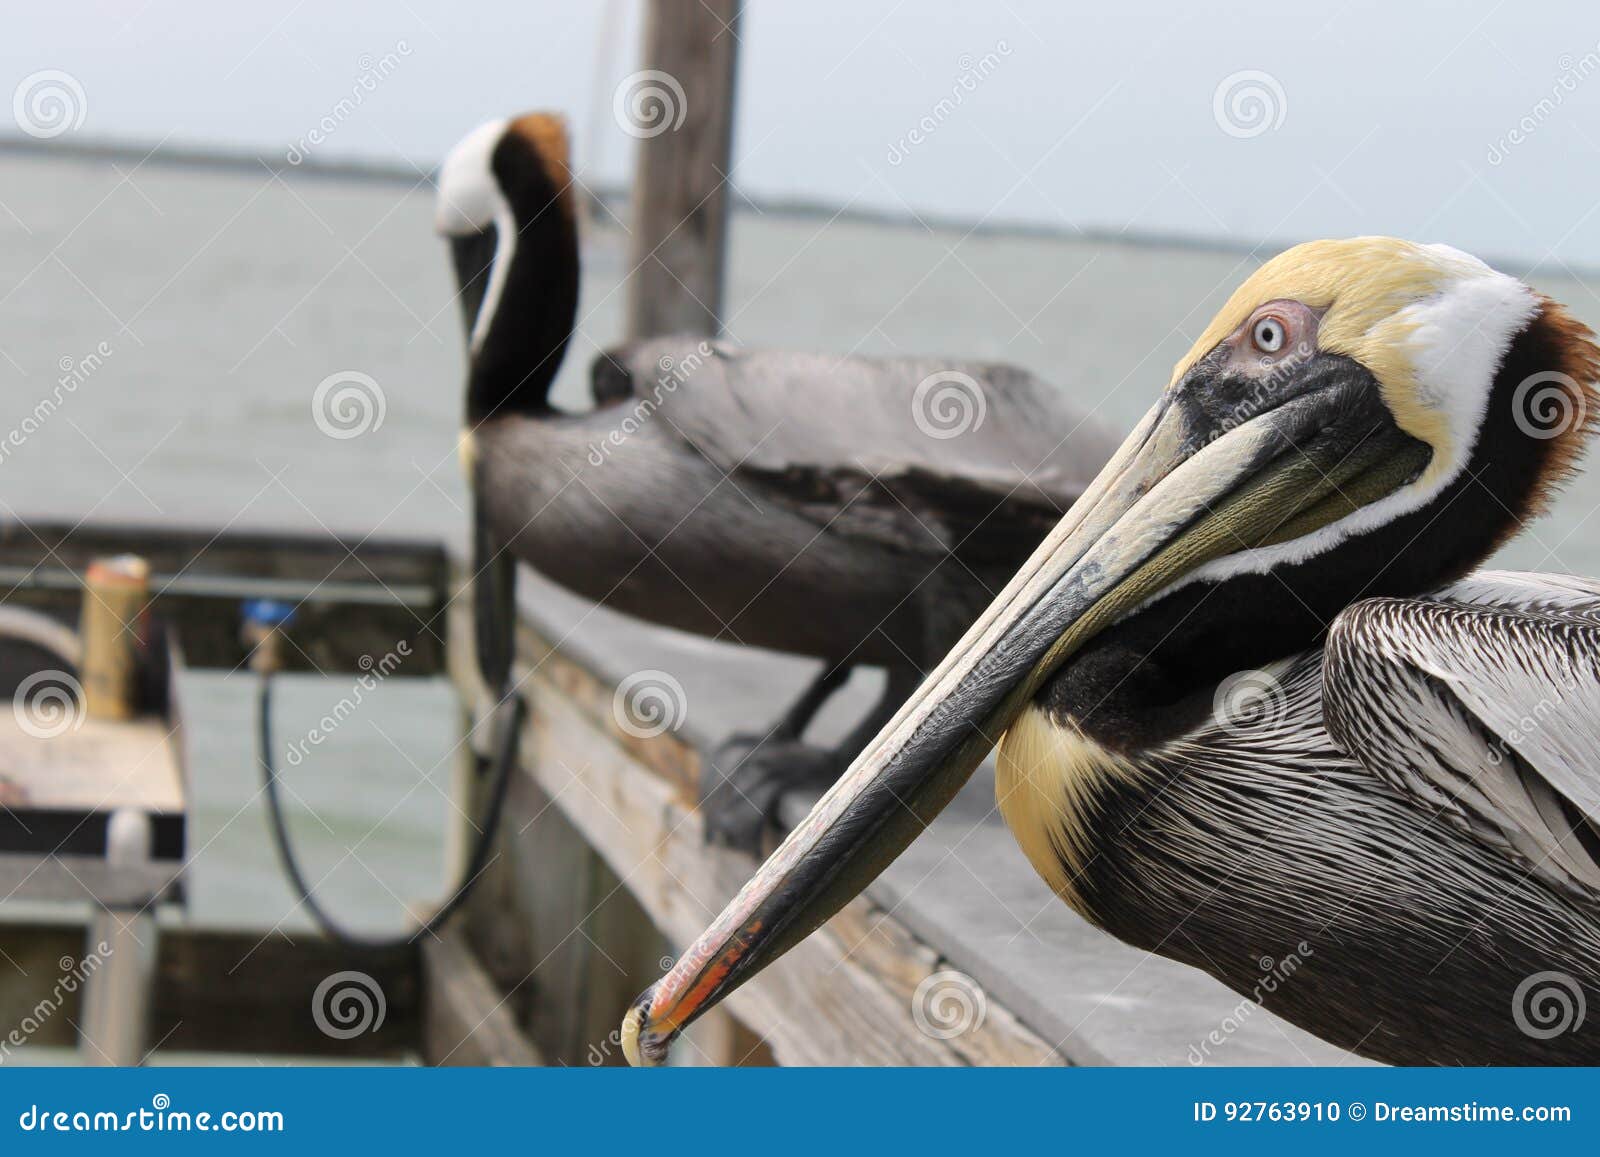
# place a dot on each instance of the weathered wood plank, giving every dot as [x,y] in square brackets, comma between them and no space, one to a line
[219,991]
[233,991]
[95,765]
[904,963]
[355,597]
[841,997]
[466,1018]
[962,887]
[75,879]
[552,925]
[549,876]
[680,104]
[626,953]
[35,959]
[672,759]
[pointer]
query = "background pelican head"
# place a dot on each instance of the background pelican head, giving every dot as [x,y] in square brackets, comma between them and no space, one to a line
[1363,417]
[505,205]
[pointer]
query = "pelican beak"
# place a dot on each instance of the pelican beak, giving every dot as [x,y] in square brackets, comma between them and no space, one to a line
[1182,490]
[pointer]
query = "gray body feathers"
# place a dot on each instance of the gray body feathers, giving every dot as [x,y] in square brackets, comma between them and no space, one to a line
[1385,813]
[788,500]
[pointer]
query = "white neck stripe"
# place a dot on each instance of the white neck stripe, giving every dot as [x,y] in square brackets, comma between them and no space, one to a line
[1458,340]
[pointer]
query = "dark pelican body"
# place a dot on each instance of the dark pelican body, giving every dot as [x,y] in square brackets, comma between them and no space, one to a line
[853,509]
[786,499]
[1251,701]
[1259,837]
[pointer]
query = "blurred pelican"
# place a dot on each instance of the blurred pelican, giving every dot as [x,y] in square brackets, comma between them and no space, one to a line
[859,510]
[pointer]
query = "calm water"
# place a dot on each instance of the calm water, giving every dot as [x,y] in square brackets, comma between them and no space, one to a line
[219,301]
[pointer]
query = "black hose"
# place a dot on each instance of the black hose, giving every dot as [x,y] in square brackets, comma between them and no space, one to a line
[508,716]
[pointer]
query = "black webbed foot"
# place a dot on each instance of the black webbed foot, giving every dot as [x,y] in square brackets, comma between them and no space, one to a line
[747,777]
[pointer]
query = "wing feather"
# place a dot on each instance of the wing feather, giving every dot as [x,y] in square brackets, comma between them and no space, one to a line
[985,459]
[1483,701]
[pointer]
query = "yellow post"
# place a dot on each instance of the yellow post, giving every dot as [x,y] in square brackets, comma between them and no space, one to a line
[116,593]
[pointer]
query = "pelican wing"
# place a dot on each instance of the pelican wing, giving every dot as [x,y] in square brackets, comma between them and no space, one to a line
[981,456]
[1483,701]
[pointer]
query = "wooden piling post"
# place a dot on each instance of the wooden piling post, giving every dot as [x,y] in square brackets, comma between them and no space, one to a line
[116,593]
[680,106]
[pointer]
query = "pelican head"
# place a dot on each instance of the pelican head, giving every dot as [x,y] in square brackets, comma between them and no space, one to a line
[504,204]
[1363,417]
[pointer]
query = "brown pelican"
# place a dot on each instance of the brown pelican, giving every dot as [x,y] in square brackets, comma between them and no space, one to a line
[855,509]
[1413,786]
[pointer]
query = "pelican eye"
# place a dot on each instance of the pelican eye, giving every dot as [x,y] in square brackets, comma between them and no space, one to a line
[1269,335]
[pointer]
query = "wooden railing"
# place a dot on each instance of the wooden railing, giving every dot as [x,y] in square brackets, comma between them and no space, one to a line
[602,872]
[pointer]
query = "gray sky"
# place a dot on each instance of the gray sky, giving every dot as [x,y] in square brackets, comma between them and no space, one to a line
[1380,117]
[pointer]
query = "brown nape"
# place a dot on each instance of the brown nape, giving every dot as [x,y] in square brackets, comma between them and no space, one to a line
[1555,353]
[547,134]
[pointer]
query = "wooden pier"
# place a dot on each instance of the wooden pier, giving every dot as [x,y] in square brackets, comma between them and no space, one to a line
[94,840]
[600,872]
